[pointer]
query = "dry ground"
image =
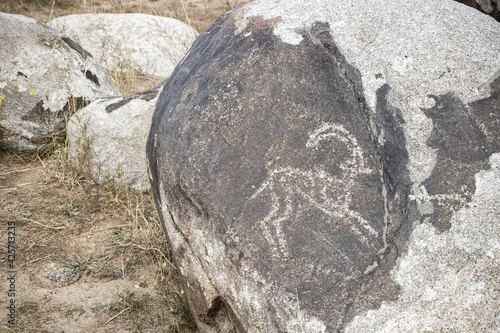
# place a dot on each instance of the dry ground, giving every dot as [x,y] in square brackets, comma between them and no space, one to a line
[89,258]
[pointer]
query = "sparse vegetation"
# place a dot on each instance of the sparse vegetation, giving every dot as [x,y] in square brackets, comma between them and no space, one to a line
[91,256]
[73,231]
[197,13]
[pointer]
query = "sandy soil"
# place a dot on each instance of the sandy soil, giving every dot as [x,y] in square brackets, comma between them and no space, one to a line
[88,258]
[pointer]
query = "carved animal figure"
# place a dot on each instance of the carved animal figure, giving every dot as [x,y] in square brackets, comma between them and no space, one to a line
[324,189]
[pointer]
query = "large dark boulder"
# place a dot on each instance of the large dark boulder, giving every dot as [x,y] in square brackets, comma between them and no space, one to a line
[334,168]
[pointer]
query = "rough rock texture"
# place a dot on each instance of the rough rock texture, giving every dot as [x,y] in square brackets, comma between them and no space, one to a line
[489,7]
[335,168]
[151,44]
[108,138]
[41,73]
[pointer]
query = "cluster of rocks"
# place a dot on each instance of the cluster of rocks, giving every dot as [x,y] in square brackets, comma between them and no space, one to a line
[48,71]
[333,168]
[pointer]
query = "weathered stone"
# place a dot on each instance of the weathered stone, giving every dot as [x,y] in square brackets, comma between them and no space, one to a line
[107,139]
[308,163]
[42,73]
[150,44]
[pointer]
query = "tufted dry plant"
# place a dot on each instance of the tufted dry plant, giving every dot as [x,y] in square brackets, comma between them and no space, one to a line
[59,209]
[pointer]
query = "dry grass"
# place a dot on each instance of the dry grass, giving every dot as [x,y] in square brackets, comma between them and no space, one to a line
[197,13]
[61,205]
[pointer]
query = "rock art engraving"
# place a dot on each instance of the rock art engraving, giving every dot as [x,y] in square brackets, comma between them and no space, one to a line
[329,193]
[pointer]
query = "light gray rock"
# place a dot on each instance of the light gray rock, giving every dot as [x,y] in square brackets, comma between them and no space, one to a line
[150,44]
[335,168]
[108,138]
[449,281]
[41,72]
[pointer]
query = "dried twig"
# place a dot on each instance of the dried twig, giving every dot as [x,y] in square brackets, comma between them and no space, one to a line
[116,315]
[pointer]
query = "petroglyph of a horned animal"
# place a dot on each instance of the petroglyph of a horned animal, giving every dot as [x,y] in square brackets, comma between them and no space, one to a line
[288,187]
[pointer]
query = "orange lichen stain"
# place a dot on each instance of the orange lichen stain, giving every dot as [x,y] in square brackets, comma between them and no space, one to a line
[258,22]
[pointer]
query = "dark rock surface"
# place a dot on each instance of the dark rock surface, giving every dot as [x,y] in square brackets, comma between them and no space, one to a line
[489,7]
[464,136]
[287,175]
[293,160]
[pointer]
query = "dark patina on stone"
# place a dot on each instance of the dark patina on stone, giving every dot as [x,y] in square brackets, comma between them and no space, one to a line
[488,7]
[145,95]
[273,147]
[464,137]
